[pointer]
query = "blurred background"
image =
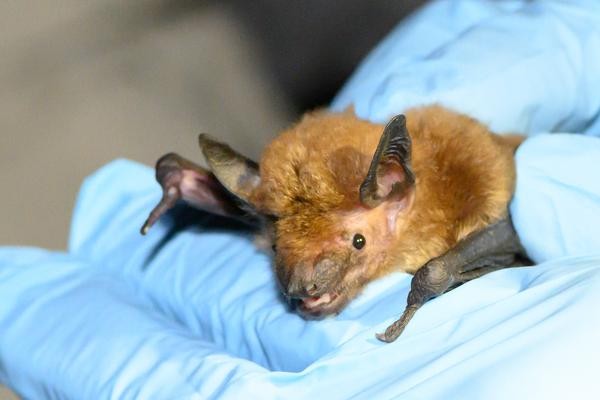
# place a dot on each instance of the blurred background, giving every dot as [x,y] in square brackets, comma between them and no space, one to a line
[85,82]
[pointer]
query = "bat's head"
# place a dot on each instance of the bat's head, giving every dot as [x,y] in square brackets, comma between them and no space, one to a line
[333,192]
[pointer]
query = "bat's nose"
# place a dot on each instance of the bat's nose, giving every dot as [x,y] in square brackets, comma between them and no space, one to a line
[312,281]
[299,288]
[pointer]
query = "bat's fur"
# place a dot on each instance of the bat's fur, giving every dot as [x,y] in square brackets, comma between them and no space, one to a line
[307,191]
[310,178]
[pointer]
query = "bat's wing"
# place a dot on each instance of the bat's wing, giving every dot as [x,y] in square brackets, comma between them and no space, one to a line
[492,248]
[224,190]
[182,179]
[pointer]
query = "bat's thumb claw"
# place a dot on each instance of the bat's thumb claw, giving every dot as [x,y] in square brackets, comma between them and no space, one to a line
[395,330]
[145,228]
[384,338]
[390,334]
[170,197]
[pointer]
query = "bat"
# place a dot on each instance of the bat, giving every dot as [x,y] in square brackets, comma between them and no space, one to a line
[343,201]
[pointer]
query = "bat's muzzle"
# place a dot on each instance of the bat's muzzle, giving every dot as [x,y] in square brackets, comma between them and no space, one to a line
[307,281]
[313,289]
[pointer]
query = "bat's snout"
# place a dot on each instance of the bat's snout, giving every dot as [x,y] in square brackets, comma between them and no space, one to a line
[306,281]
[300,286]
[314,288]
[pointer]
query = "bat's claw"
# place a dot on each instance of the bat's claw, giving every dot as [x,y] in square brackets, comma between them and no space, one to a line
[392,332]
[170,197]
[145,228]
[384,337]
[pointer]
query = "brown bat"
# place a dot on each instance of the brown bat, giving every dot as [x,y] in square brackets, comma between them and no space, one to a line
[344,201]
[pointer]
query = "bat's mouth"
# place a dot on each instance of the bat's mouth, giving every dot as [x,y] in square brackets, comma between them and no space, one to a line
[319,306]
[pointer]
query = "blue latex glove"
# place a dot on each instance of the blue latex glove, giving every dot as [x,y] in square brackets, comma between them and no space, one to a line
[200,318]
[524,67]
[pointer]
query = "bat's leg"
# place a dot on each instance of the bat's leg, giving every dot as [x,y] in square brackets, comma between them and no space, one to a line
[494,247]
[181,179]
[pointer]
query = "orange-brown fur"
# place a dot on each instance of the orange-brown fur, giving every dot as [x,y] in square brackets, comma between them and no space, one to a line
[310,178]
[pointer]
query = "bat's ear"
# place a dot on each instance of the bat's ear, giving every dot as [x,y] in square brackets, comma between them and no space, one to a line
[390,177]
[238,174]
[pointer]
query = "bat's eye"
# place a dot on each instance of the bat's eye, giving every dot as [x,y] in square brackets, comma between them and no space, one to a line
[274,248]
[359,241]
